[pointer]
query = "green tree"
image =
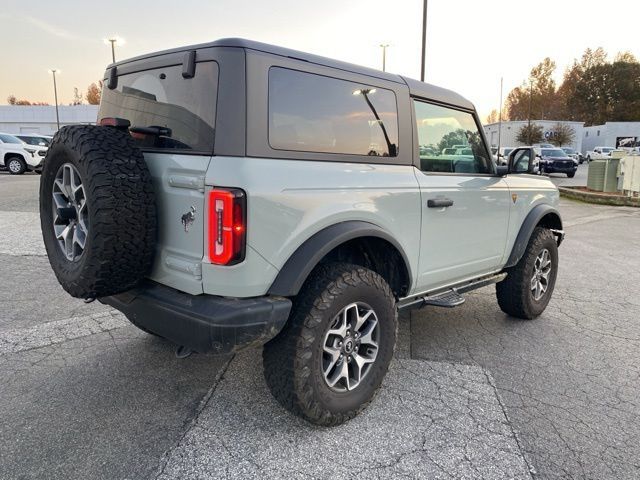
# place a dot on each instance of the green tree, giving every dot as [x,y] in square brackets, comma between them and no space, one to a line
[456,137]
[530,134]
[563,134]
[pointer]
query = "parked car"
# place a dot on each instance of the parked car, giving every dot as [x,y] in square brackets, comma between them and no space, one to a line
[573,153]
[599,153]
[16,156]
[503,155]
[555,160]
[256,214]
[36,144]
[34,139]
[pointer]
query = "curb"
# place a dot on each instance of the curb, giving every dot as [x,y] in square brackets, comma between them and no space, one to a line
[599,198]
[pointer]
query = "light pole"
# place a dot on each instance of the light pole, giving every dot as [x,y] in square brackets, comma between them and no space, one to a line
[500,118]
[384,56]
[529,114]
[424,39]
[53,72]
[114,40]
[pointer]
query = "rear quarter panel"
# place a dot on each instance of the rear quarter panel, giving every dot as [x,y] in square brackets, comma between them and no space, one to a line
[288,201]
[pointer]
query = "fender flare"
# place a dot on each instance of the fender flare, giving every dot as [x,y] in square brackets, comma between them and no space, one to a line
[300,264]
[528,226]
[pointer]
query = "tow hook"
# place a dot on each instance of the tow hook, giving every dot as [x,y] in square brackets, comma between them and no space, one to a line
[183,352]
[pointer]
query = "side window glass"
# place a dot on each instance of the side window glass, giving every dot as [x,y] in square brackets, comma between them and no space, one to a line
[521,161]
[314,113]
[449,141]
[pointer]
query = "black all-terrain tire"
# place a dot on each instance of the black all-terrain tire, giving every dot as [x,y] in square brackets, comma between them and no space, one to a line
[121,209]
[19,162]
[514,293]
[293,360]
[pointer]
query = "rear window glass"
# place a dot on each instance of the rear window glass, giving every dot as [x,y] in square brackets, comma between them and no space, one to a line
[314,113]
[167,111]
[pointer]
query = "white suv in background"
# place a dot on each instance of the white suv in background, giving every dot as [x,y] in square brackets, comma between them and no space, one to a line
[18,157]
[36,145]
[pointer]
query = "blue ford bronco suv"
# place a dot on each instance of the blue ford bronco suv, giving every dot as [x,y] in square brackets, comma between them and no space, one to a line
[236,194]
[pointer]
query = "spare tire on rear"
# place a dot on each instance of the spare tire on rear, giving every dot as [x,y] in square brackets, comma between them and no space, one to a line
[97,211]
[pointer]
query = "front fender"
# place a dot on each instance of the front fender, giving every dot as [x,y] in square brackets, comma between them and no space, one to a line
[531,221]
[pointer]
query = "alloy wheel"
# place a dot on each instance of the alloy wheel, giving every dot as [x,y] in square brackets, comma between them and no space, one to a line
[350,347]
[70,213]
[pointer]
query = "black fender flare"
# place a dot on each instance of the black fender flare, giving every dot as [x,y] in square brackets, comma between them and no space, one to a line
[300,264]
[531,221]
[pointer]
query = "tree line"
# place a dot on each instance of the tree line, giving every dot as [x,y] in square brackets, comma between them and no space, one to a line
[92,97]
[594,90]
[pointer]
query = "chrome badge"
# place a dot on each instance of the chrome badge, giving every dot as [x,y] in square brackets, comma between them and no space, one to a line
[188,218]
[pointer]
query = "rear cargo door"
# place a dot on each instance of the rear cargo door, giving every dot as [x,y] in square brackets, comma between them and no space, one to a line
[172,117]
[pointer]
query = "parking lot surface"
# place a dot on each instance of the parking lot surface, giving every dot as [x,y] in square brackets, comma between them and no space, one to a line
[471,393]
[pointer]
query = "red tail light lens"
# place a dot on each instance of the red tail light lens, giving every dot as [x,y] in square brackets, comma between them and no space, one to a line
[227,226]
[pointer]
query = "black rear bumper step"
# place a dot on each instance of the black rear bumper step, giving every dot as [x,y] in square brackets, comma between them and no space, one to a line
[203,323]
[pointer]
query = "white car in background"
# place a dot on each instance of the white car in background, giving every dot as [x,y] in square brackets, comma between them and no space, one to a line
[35,143]
[18,157]
[599,153]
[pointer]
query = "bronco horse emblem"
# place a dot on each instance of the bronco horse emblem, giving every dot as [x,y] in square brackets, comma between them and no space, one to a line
[188,218]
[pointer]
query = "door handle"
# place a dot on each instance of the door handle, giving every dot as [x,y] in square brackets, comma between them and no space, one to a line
[439,202]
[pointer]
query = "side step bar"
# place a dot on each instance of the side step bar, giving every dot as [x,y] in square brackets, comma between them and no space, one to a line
[450,297]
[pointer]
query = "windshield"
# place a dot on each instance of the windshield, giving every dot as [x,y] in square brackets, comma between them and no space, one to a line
[37,141]
[166,110]
[569,150]
[607,149]
[9,138]
[553,152]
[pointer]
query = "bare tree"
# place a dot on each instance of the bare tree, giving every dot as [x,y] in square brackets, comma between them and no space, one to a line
[562,134]
[530,134]
[77,97]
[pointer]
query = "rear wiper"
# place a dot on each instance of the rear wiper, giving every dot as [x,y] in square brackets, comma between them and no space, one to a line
[152,130]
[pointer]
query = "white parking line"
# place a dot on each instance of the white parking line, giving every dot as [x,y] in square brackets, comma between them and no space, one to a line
[43,335]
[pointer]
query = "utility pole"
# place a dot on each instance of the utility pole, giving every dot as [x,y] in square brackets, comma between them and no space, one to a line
[529,114]
[384,56]
[424,39]
[53,71]
[500,118]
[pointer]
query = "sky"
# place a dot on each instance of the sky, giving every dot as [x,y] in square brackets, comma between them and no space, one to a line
[471,44]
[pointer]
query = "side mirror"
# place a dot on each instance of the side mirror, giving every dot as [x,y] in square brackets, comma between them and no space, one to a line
[522,161]
[502,170]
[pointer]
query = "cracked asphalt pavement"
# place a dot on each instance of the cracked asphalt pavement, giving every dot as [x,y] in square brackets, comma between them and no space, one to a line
[471,393]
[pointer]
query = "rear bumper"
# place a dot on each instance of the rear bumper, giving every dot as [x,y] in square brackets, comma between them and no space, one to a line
[203,323]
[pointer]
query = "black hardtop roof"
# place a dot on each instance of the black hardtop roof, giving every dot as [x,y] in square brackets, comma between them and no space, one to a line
[416,87]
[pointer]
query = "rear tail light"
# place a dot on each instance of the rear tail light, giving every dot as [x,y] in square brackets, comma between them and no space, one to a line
[227,226]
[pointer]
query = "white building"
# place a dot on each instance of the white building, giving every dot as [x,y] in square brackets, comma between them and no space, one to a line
[42,119]
[611,134]
[509,132]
